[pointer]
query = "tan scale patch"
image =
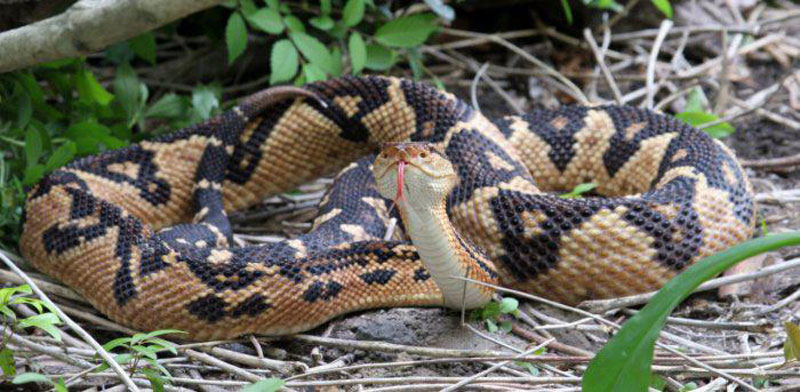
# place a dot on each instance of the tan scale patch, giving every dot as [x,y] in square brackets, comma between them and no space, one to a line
[128,169]
[219,256]
[587,164]
[519,184]
[299,247]
[497,162]
[636,175]
[680,154]
[729,173]
[632,130]
[559,122]
[303,144]
[395,120]
[533,152]
[603,257]
[349,104]
[532,220]
[357,231]
[326,217]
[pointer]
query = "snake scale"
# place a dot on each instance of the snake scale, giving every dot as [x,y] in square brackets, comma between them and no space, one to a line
[142,232]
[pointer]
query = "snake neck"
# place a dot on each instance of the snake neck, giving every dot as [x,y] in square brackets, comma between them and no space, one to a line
[446,254]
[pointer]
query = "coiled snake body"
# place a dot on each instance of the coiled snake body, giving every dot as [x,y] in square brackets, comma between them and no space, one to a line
[115,226]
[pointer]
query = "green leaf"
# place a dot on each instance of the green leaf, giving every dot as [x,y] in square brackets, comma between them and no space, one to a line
[89,136]
[323,23]
[664,6]
[248,7]
[533,370]
[61,156]
[144,46]
[267,20]
[146,351]
[440,8]
[283,62]
[325,7]
[624,363]
[353,12]
[695,100]
[491,326]
[579,190]
[657,382]
[24,109]
[7,362]
[235,36]
[60,386]
[508,305]
[312,73]
[567,11]
[162,332]
[294,24]
[33,146]
[156,381]
[90,90]
[131,94]
[116,343]
[274,4]
[315,51]
[406,31]
[506,326]
[45,321]
[204,101]
[358,52]
[379,58]
[267,385]
[791,348]
[120,359]
[33,174]
[168,106]
[697,119]
[25,378]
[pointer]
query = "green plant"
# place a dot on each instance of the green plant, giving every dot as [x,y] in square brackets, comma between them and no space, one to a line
[579,190]
[44,320]
[144,347]
[24,378]
[299,55]
[663,5]
[55,112]
[266,385]
[490,314]
[624,363]
[696,115]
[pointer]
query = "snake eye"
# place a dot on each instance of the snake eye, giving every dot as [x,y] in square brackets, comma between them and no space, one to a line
[423,154]
[385,156]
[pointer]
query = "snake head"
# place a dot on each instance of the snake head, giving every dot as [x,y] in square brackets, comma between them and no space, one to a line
[413,172]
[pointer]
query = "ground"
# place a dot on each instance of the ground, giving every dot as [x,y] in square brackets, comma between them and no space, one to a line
[737,331]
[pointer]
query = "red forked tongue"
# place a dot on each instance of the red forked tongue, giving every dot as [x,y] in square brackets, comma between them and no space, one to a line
[401,167]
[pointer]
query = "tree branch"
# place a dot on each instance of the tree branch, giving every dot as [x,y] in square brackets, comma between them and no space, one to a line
[88,26]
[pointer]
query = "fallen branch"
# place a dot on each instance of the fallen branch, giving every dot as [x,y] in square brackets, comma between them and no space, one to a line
[89,26]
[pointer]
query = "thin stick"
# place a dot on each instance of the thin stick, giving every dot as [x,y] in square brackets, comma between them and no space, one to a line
[394,348]
[666,25]
[603,67]
[494,367]
[224,366]
[614,325]
[473,90]
[772,163]
[73,325]
[598,306]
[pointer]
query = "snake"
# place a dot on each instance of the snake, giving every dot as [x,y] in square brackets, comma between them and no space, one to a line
[143,233]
